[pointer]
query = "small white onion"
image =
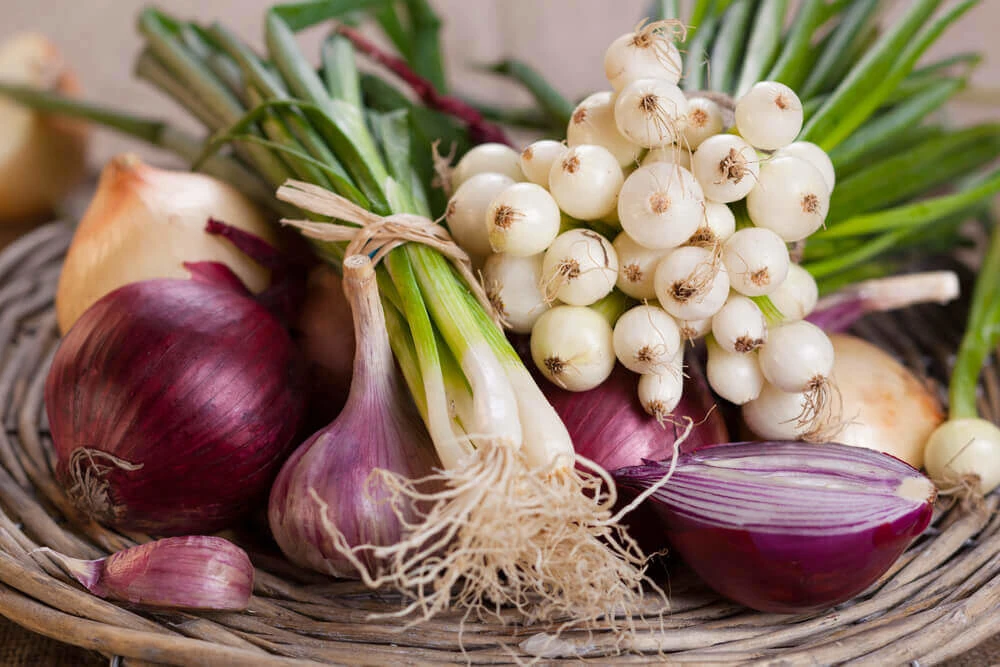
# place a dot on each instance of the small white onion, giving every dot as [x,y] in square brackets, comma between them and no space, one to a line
[717,226]
[671,153]
[647,340]
[704,119]
[496,158]
[522,220]
[466,213]
[586,181]
[739,326]
[651,112]
[964,449]
[790,198]
[726,166]
[814,155]
[660,393]
[733,376]
[537,158]
[757,260]
[648,52]
[769,115]
[579,268]
[660,205]
[636,267]
[691,284]
[798,356]
[692,330]
[572,347]
[512,285]
[593,122]
[797,294]
[777,415]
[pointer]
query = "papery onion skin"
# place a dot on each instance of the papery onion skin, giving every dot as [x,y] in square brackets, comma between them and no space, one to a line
[172,404]
[769,563]
[145,223]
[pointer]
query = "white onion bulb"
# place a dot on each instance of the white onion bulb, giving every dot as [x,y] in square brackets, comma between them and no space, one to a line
[726,166]
[790,197]
[522,220]
[739,326]
[651,112]
[733,376]
[579,268]
[537,158]
[777,415]
[660,393]
[593,122]
[484,158]
[797,294]
[672,153]
[586,181]
[636,267]
[769,115]
[757,260]
[798,356]
[647,340]
[716,227]
[660,205]
[573,347]
[466,213]
[704,119]
[691,283]
[512,285]
[815,156]
[649,52]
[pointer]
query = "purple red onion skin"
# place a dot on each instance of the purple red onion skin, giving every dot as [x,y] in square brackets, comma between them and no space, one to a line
[332,472]
[609,426]
[172,404]
[768,566]
[190,572]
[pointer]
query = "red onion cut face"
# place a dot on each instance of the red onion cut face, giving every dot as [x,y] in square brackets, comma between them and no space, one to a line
[172,403]
[788,527]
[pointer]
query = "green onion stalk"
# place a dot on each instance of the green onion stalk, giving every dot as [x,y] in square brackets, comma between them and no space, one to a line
[519,516]
[902,178]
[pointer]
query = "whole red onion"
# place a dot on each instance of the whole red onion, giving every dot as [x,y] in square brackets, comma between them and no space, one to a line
[327,511]
[609,426]
[172,403]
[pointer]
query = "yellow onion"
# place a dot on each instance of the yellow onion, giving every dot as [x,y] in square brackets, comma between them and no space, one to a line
[41,157]
[885,407]
[144,223]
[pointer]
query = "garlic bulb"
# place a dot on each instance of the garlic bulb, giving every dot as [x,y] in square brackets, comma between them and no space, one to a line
[145,223]
[41,157]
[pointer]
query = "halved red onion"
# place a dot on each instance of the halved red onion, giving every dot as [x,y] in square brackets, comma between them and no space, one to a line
[788,526]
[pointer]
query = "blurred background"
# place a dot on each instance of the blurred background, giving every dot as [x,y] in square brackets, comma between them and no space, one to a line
[564,39]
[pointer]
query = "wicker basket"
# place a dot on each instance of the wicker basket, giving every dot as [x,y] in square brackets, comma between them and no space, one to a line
[940,599]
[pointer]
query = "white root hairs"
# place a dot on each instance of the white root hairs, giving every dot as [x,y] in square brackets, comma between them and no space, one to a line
[498,535]
[658,36]
[700,280]
[821,417]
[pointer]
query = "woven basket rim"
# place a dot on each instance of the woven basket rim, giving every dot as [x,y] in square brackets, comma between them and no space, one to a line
[939,600]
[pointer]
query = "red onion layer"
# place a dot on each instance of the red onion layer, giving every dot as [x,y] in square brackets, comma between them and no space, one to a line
[172,403]
[788,526]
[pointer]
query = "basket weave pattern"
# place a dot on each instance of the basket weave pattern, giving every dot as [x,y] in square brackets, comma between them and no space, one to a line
[940,599]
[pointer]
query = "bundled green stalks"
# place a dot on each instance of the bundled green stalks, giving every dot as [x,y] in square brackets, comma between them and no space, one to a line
[516,523]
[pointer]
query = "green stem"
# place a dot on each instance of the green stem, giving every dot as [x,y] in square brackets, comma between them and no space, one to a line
[763,44]
[697,55]
[897,122]
[850,29]
[982,332]
[793,62]
[866,76]
[557,107]
[728,47]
